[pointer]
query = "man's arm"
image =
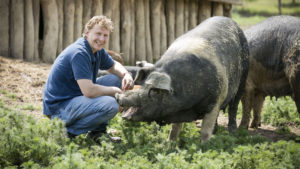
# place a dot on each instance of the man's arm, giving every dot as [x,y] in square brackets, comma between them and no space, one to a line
[91,90]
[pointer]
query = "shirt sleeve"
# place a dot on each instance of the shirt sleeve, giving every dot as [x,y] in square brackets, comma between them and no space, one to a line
[81,67]
[106,61]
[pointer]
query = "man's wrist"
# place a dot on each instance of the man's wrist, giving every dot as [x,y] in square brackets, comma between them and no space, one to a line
[124,74]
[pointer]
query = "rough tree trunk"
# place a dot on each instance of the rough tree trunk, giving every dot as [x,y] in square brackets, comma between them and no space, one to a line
[97,8]
[193,14]
[132,35]
[126,29]
[140,42]
[114,43]
[29,32]
[179,18]
[17,29]
[186,15]
[49,48]
[87,11]
[170,21]
[69,11]
[108,4]
[149,53]
[163,30]
[4,28]
[155,27]
[36,16]
[60,10]
[204,10]
[217,9]
[78,19]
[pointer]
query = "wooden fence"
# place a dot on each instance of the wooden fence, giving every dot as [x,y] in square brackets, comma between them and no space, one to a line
[38,30]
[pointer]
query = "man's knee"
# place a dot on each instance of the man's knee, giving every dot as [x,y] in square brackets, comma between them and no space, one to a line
[110,80]
[111,106]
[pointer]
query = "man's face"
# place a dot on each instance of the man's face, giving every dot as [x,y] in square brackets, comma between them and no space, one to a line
[97,37]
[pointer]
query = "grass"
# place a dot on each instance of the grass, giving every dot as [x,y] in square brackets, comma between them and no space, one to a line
[254,11]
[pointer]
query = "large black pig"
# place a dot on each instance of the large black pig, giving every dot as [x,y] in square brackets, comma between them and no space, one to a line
[202,72]
[274,69]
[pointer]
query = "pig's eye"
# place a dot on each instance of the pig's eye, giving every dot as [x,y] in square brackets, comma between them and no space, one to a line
[154,92]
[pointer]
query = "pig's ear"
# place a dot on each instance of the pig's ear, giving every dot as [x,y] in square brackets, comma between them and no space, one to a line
[142,75]
[159,80]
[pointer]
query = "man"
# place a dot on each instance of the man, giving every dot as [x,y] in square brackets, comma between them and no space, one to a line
[73,92]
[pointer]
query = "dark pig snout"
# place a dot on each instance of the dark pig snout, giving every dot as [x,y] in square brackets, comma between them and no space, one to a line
[128,99]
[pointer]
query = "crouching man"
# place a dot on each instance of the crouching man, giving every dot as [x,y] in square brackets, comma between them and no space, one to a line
[73,92]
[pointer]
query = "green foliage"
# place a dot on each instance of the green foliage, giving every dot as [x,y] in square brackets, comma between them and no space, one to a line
[28,143]
[281,111]
[24,140]
[254,11]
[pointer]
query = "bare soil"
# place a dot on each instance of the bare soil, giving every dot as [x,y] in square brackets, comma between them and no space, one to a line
[22,83]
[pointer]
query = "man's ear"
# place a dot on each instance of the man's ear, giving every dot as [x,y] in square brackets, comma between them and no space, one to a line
[142,75]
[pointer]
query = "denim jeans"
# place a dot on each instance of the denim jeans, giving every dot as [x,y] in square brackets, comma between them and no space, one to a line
[83,114]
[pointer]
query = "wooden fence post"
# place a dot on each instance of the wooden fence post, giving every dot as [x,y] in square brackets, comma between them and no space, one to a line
[163,29]
[155,27]
[179,18]
[149,54]
[170,9]
[36,16]
[50,40]
[60,13]
[4,28]
[140,42]
[69,12]
[17,29]
[204,10]
[29,31]
[126,23]
[78,24]
[217,9]
[133,32]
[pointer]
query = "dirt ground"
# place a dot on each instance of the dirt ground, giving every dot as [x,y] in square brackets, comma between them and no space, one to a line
[22,84]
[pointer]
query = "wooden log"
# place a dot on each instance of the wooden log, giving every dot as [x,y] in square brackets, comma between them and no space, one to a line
[114,43]
[204,10]
[235,2]
[36,16]
[50,17]
[170,9]
[78,26]
[17,29]
[217,9]
[28,32]
[107,10]
[163,30]
[179,18]
[149,54]
[87,11]
[69,12]
[140,43]
[60,10]
[126,23]
[155,28]
[193,14]
[4,28]
[227,9]
[132,35]
[97,7]
[186,15]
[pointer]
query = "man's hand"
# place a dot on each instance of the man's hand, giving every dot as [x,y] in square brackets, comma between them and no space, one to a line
[127,82]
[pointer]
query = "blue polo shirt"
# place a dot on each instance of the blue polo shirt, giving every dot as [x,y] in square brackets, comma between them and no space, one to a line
[77,61]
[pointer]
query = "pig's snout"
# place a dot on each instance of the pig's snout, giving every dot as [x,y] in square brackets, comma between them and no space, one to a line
[127,100]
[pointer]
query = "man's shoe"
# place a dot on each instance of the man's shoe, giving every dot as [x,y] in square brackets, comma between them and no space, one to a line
[70,135]
[95,135]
